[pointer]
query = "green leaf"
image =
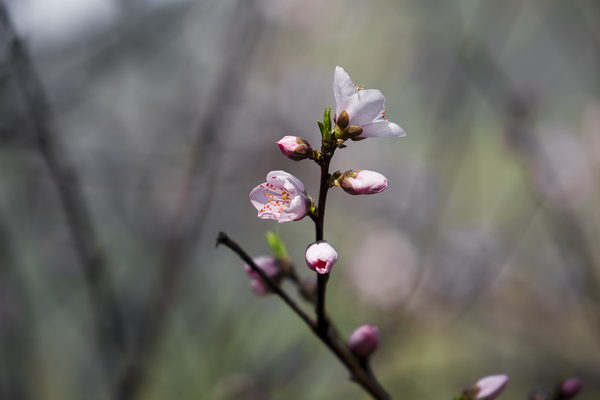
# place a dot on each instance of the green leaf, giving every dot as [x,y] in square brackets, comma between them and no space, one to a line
[321,128]
[276,245]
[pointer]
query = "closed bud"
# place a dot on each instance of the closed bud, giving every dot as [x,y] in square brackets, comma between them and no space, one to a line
[569,388]
[343,120]
[354,131]
[295,148]
[321,257]
[269,266]
[364,340]
[487,388]
[362,181]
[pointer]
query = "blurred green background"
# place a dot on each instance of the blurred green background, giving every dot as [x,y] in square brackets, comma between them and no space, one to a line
[480,258]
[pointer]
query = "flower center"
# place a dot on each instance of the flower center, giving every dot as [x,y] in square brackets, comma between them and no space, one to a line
[278,198]
[321,265]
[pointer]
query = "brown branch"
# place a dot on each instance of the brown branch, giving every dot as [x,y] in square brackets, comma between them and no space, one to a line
[358,374]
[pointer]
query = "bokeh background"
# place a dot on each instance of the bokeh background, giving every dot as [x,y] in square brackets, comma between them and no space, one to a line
[136,129]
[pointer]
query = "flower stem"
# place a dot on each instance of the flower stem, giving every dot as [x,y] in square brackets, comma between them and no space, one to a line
[358,373]
[327,151]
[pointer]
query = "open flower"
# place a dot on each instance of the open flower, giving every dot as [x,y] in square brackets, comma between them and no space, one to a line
[361,112]
[364,340]
[282,197]
[320,257]
[362,181]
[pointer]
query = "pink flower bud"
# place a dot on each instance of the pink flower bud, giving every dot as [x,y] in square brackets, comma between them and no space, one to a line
[320,257]
[488,388]
[267,263]
[270,267]
[569,388]
[362,181]
[364,340]
[259,287]
[295,148]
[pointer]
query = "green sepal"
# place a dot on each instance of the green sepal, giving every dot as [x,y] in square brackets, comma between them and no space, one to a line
[321,128]
[276,245]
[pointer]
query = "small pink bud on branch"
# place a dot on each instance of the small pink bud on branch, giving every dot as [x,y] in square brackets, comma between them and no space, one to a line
[569,388]
[487,388]
[362,181]
[295,148]
[321,257]
[364,340]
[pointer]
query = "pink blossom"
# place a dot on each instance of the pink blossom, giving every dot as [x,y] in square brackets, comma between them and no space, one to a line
[295,148]
[488,388]
[270,267]
[362,181]
[364,340]
[259,287]
[365,107]
[282,197]
[320,257]
[569,387]
[267,263]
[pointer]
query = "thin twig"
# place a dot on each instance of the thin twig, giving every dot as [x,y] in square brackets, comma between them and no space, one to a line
[358,374]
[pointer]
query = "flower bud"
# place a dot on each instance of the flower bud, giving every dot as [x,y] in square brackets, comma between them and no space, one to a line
[569,388]
[364,340]
[295,148]
[320,257]
[270,266]
[362,181]
[259,287]
[267,263]
[343,120]
[488,388]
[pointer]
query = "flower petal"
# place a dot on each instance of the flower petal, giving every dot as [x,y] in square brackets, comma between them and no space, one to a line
[343,89]
[276,174]
[382,128]
[365,106]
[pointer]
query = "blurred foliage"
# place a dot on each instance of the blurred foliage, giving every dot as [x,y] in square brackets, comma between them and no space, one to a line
[480,258]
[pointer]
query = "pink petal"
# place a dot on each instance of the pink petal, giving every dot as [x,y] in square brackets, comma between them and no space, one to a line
[273,175]
[382,128]
[343,89]
[365,106]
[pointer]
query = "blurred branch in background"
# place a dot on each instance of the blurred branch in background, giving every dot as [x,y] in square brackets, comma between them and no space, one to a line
[196,194]
[110,330]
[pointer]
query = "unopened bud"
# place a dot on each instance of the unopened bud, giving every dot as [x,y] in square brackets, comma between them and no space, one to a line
[269,266]
[343,120]
[569,388]
[321,257]
[295,148]
[488,388]
[362,181]
[353,131]
[364,340]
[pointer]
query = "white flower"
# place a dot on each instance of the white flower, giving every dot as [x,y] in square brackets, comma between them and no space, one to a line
[365,107]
